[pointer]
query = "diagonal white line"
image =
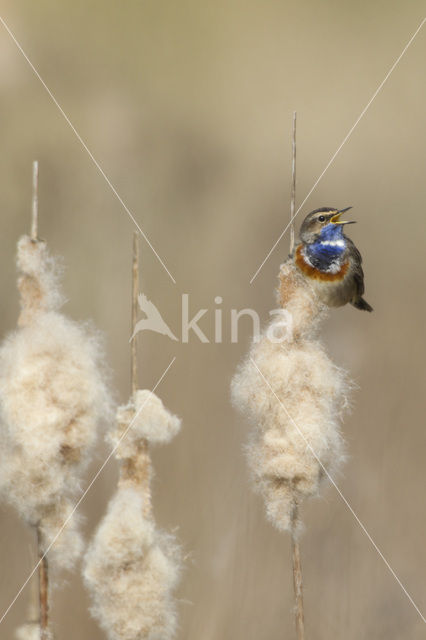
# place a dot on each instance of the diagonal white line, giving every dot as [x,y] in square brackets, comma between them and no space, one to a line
[80,500]
[86,148]
[340,494]
[345,139]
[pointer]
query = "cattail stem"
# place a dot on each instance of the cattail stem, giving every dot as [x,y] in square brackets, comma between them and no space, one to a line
[141,466]
[34,207]
[135,291]
[43,569]
[43,580]
[293,185]
[33,605]
[297,579]
[295,549]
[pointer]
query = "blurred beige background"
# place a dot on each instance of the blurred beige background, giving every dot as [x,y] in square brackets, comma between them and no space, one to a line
[187,107]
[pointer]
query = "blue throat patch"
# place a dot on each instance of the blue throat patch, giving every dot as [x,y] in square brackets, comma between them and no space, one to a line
[327,248]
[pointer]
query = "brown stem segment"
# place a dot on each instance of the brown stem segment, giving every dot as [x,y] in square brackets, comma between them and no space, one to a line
[43,580]
[293,185]
[34,207]
[295,549]
[138,469]
[297,579]
[135,291]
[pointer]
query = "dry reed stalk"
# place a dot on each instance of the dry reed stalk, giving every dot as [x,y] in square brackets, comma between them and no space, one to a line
[30,630]
[293,185]
[141,466]
[297,567]
[34,208]
[43,581]
[135,292]
[43,567]
[131,568]
[297,578]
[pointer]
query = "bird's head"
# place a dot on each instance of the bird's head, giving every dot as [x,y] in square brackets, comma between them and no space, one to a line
[324,222]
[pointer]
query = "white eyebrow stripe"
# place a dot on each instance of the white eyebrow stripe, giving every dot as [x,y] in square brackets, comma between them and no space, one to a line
[333,243]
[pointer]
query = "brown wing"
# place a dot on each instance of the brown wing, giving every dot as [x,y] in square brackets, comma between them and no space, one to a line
[358,273]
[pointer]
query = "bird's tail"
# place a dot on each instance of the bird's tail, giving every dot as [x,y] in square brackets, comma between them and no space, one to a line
[362,304]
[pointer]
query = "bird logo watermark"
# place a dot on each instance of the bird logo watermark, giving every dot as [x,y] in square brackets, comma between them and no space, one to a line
[153,320]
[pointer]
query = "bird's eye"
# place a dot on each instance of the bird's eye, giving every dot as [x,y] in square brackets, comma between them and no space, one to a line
[321,218]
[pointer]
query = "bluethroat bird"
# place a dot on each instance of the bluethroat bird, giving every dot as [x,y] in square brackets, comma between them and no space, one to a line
[330,260]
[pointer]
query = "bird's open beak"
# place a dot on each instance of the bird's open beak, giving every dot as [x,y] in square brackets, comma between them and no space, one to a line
[335,218]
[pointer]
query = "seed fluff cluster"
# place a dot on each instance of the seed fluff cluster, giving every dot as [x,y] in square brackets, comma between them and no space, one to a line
[131,568]
[52,400]
[294,397]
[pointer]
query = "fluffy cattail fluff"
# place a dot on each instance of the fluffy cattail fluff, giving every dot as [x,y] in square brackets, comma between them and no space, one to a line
[30,631]
[296,423]
[131,568]
[52,398]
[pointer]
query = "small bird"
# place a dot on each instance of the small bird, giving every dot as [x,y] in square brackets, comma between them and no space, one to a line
[330,260]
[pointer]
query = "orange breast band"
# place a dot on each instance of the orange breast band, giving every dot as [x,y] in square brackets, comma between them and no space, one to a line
[316,274]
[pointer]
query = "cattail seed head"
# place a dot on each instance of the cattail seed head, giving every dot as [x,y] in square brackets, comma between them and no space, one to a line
[52,399]
[294,397]
[131,568]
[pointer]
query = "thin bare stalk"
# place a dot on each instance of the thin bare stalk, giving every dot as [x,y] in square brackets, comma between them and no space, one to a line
[43,581]
[297,579]
[33,603]
[295,549]
[34,207]
[135,291]
[144,470]
[293,185]
[43,568]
